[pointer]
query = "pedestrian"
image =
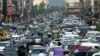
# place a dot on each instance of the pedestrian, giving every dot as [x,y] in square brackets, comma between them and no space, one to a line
[1,54]
[66,53]
[49,34]
[59,43]
[21,51]
[27,47]
[41,53]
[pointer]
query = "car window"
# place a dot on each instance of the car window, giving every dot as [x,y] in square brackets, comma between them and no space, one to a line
[3,44]
[90,34]
[37,51]
[97,34]
[97,55]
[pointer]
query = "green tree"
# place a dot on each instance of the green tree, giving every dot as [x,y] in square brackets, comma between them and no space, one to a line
[41,8]
[35,10]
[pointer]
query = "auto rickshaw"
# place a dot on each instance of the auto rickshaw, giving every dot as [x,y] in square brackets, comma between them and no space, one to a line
[3,34]
[58,52]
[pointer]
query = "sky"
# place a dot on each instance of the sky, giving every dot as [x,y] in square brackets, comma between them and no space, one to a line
[55,2]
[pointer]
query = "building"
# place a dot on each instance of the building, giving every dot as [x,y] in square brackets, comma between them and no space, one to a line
[37,2]
[1,4]
[97,5]
[73,7]
[97,8]
[46,3]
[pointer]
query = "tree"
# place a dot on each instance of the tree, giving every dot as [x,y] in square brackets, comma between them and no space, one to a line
[41,7]
[35,10]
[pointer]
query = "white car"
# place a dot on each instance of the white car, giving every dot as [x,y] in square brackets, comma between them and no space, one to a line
[69,34]
[90,44]
[96,54]
[93,34]
[17,38]
[36,50]
[67,22]
[54,44]
[3,45]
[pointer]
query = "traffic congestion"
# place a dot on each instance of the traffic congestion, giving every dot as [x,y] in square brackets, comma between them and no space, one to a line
[50,35]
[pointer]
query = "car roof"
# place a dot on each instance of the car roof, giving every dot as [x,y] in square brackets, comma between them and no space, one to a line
[93,32]
[37,47]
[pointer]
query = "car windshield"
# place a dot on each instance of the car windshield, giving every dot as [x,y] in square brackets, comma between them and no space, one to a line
[97,55]
[3,44]
[90,34]
[37,51]
[98,34]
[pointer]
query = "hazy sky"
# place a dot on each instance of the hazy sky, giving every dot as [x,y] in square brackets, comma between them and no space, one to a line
[56,2]
[60,2]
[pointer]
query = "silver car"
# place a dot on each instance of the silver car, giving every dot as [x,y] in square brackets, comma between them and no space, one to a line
[36,50]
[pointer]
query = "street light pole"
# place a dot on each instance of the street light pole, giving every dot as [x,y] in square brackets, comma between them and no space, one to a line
[22,9]
[5,10]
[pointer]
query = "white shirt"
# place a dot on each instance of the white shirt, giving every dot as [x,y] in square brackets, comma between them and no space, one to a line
[66,55]
[51,45]
[42,54]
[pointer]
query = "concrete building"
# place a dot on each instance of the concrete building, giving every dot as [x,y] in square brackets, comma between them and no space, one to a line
[84,5]
[73,6]
[1,4]
[46,3]
[37,2]
[9,2]
[97,5]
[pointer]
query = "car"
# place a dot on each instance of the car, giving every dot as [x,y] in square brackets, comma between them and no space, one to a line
[67,22]
[1,54]
[93,34]
[35,50]
[17,37]
[55,44]
[3,46]
[90,44]
[96,54]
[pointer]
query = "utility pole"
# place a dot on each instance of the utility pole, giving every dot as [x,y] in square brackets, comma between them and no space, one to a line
[22,7]
[66,7]
[5,10]
[82,9]
[92,6]
[82,6]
